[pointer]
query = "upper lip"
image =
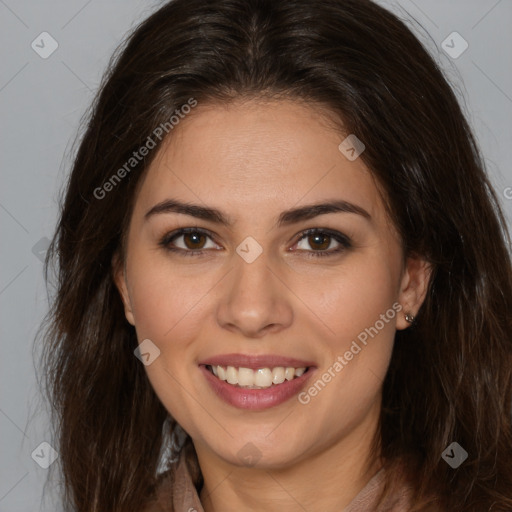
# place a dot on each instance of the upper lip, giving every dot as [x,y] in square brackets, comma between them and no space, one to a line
[255,361]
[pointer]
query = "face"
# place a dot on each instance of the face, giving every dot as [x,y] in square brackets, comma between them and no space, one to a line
[294,303]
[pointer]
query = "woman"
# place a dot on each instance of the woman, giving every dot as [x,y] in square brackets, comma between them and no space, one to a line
[279,248]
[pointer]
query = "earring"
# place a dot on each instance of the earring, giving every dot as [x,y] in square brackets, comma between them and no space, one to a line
[409,318]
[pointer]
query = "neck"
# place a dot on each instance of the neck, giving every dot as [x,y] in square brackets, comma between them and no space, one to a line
[328,479]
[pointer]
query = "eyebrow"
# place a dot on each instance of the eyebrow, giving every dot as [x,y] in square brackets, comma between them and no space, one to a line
[287,217]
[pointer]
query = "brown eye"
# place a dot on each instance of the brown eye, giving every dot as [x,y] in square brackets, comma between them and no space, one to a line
[194,240]
[319,241]
[323,242]
[188,242]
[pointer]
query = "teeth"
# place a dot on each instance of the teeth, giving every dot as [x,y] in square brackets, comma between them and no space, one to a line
[221,373]
[232,375]
[262,377]
[256,379]
[289,373]
[245,376]
[278,375]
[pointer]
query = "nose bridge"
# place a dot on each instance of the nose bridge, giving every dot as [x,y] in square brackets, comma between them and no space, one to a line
[253,301]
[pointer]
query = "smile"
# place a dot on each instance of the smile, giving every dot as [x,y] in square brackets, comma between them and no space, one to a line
[260,378]
[256,382]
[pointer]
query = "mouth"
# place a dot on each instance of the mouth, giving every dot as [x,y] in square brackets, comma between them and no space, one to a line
[256,382]
[261,378]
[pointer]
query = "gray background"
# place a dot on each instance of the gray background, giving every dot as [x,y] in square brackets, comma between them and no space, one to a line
[42,101]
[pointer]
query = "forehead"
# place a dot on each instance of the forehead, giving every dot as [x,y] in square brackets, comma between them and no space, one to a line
[257,156]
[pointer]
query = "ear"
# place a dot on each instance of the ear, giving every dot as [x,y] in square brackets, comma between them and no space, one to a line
[119,276]
[413,288]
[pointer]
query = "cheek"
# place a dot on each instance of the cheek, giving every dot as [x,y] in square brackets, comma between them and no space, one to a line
[169,310]
[165,305]
[356,304]
[353,297]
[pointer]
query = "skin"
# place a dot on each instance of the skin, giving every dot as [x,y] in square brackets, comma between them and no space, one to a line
[252,160]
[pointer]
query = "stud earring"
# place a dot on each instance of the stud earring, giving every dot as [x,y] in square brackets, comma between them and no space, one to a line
[409,318]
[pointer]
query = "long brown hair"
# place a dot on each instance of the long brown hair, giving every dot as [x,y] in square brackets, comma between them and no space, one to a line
[450,377]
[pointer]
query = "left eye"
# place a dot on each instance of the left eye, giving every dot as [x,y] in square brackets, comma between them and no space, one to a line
[322,243]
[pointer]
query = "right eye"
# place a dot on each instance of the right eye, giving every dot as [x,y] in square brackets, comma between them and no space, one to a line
[188,241]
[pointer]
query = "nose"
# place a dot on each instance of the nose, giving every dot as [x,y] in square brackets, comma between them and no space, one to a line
[254,299]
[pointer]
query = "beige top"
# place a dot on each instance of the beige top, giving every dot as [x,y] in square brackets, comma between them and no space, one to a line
[183,496]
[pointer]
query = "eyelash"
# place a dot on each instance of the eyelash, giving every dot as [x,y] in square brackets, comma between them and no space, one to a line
[343,240]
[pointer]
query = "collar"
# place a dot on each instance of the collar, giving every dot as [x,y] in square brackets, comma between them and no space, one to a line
[185,498]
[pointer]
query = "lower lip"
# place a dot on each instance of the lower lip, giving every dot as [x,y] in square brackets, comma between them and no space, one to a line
[256,399]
